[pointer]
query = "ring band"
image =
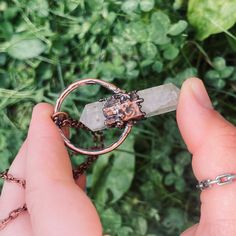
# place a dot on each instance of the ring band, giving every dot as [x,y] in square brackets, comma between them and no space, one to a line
[219,180]
[70,89]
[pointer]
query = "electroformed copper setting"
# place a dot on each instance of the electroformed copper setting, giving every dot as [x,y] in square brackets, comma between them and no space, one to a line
[121,110]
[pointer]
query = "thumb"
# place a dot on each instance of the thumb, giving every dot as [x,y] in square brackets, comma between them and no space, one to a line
[212,141]
[57,206]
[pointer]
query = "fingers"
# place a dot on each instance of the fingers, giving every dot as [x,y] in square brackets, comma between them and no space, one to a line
[212,141]
[56,205]
[12,194]
[81,181]
[13,197]
[47,155]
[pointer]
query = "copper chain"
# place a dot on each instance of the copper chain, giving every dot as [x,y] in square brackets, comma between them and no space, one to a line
[12,215]
[15,213]
[63,121]
[8,177]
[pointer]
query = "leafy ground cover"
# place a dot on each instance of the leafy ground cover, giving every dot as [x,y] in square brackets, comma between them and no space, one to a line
[145,187]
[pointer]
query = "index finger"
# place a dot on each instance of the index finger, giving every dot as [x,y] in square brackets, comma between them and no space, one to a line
[55,203]
[47,155]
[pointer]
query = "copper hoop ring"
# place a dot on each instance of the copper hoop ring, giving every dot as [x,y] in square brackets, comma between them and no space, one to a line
[71,88]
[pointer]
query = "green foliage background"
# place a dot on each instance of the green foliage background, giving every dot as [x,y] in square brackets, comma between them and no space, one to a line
[145,187]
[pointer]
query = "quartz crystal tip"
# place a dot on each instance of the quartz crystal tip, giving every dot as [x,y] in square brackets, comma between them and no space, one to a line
[157,100]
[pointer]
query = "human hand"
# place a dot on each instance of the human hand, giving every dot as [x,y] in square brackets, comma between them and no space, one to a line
[212,141]
[57,206]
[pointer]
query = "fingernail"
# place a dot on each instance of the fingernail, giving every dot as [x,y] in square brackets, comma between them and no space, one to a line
[200,93]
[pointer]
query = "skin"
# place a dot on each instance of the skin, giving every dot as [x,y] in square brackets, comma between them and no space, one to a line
[58,206]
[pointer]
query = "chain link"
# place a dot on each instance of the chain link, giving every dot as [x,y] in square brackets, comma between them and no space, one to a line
[219,180]
[12,215]
[84,166]
[8,177]
[15,213]
[61,119]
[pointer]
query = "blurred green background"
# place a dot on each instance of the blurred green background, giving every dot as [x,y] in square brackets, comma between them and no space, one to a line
[147,186]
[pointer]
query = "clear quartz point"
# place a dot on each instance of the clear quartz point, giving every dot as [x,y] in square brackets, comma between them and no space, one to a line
[157,100]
